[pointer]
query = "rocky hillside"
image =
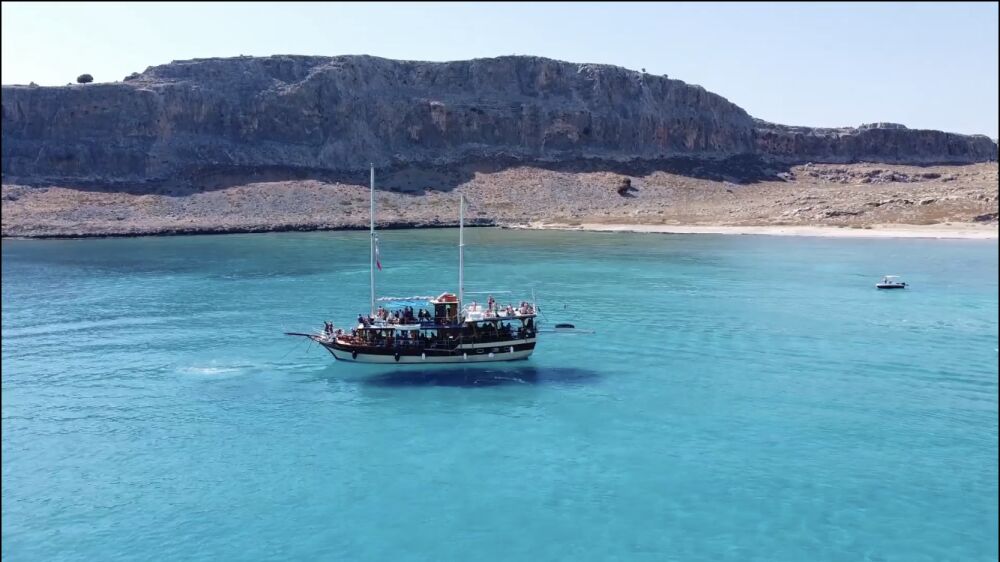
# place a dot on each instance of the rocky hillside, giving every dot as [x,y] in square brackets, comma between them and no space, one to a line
[242,120]
[835,195]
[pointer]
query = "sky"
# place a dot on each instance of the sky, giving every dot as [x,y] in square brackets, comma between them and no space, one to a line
[926,65]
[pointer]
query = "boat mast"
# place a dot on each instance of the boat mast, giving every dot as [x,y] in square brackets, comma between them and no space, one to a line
[372,232]
[461,251]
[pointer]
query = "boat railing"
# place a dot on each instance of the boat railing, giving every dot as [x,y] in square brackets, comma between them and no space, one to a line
[448,342]
[477,313]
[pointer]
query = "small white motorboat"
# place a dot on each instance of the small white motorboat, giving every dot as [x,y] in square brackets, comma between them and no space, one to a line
[890,282]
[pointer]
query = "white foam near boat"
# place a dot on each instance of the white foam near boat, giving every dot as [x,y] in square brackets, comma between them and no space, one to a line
[890,282]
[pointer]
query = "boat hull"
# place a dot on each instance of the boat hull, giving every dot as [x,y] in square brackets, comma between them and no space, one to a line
[478,353]
[881,286]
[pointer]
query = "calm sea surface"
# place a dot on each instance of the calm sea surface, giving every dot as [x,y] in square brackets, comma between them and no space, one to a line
[743,398]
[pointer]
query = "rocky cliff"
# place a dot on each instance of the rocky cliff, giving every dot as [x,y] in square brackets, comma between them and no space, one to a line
[285,117]
[874,142]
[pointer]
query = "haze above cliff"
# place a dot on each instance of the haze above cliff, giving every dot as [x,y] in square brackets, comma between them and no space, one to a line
[295,117]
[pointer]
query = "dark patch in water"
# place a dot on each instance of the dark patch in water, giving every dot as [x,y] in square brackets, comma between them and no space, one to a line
[466,377]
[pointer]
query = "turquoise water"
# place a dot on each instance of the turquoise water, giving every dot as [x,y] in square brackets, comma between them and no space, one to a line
[743,398]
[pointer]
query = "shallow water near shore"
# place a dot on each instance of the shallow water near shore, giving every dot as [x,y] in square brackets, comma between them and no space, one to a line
[743,398]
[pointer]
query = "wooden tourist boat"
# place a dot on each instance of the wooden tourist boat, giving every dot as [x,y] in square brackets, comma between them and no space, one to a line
[449,330]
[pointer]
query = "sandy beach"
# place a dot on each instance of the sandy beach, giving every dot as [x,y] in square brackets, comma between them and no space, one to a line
[956,231]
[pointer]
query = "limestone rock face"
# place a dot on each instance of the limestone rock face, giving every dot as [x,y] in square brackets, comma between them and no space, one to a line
[287,116]
[874,142]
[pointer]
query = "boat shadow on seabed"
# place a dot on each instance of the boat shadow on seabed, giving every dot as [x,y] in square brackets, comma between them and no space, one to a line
[479,377]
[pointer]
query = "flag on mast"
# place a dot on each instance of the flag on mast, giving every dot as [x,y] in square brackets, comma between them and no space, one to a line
[378,262]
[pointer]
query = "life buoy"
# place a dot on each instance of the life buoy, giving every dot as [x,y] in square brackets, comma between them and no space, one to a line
[397,358]
[354,355]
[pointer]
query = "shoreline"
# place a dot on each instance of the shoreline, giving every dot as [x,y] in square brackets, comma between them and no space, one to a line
[167,233]
[955,231]
[931,231]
